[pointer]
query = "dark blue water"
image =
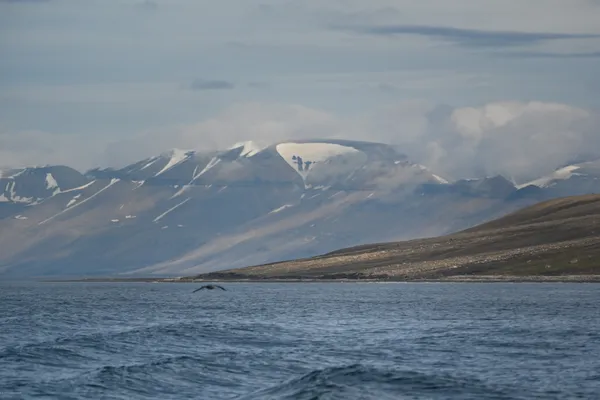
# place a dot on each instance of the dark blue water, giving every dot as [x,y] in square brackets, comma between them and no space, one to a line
[300,341]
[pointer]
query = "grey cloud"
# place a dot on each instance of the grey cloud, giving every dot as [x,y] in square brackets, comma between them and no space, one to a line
[519,140]
[202,84]
[259,85]
[147,5]
[27,148]
[466,37]
[522,141]
[24,1]
[387,88]
[540,54]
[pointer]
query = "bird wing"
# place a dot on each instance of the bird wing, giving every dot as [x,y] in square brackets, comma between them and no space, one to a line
[200,288]
[220,287]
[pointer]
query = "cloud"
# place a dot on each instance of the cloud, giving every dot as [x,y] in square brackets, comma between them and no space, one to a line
[387,88]
[543,54]
[263,123]
[24,1]
[259,85]
[28,148]
[147,5]
[520,140]
[467,37]
[202,84]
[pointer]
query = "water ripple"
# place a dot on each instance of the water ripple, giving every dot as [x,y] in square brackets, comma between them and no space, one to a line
[299,341]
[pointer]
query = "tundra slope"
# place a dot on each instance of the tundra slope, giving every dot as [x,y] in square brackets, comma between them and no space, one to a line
[552,238]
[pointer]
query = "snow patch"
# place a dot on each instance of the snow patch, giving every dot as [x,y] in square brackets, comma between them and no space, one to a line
[170,209]
[281,208]
[18,173]
[73,200]
[20,217]
[130,216]
[112,182]
[152,161]
[114,220]
[559,174]
[440,179]
[14,197]
[249,148]
[301,156]
[214,161]
[138,184]
[51,182]
[80,187]
[175,157]
[180,191]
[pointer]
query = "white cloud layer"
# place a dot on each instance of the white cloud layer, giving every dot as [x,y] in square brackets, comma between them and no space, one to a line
[37,148]
[516,139]
[118,81]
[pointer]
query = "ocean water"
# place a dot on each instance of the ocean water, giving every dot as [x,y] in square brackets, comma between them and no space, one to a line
[299,341]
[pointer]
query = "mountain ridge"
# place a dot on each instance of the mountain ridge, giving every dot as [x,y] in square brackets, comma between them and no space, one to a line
[185,211]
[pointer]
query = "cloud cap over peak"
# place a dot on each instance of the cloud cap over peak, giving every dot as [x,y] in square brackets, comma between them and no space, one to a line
[520,140]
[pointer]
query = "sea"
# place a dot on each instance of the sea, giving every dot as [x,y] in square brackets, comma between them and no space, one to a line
[300,341]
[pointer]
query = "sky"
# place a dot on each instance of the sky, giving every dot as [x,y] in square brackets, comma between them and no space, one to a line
[470,87]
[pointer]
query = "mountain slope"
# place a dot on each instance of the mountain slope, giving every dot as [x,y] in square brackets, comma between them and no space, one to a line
[581,178]
[20,188]
[560,236]
[186,212]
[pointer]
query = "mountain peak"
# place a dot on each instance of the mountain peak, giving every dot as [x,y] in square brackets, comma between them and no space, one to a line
[175,157]
[248,148]
[176,152]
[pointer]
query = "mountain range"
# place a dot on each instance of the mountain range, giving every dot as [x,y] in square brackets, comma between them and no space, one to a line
[189,212]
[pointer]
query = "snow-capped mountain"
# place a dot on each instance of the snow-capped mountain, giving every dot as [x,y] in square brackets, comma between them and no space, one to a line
[28,186]
[310,163]
[185,211]
[573,179]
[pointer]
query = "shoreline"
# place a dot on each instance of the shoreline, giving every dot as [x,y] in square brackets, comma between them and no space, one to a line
[449,279]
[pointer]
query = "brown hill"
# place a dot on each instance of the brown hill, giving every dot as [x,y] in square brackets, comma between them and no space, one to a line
[557,237]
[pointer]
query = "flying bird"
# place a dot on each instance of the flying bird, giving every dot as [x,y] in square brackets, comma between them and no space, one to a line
[209,287]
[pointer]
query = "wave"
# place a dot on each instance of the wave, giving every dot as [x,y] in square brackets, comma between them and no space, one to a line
[178,376]
[43,355]
[368,382]
[192,330]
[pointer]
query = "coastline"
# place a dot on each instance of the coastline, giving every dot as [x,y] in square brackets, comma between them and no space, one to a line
[447,279]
